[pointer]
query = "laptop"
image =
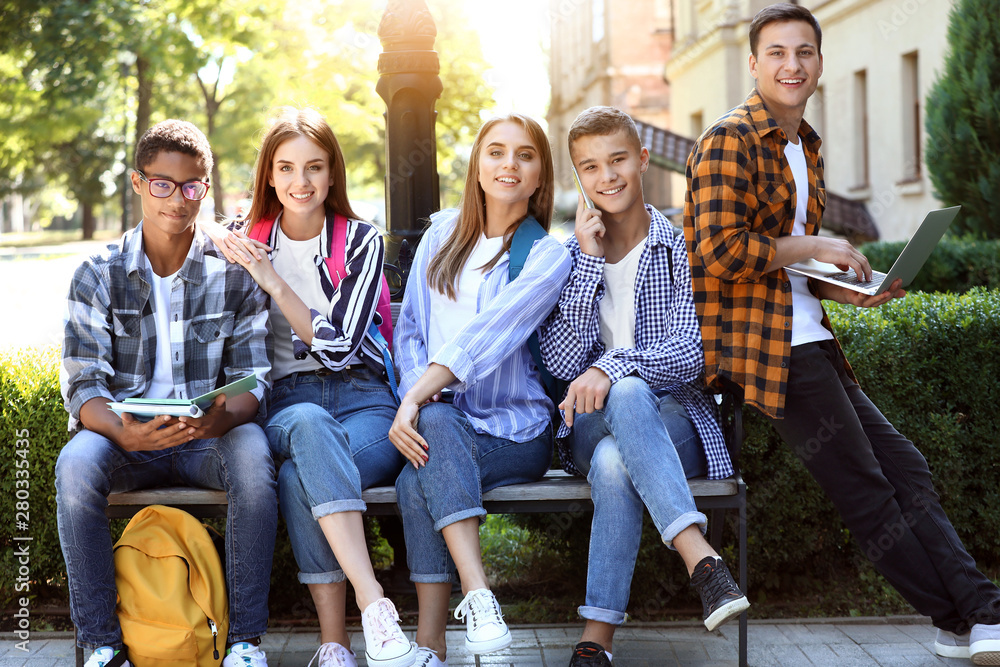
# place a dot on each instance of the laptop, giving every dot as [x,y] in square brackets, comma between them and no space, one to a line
[906,266]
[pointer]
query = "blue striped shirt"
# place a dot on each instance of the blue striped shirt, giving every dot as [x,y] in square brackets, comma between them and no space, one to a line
[667,353]
[497,385]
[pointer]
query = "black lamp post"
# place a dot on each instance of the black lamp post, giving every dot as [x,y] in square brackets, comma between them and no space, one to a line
[408,82]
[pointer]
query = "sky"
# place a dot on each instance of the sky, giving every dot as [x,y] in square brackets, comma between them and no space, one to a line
[512,34]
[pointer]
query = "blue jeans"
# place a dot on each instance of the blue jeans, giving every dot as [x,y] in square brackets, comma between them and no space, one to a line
[330,438]
[90,467]
[461,466]
[637,452]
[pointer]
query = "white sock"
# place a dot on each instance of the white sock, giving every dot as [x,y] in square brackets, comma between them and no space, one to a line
[608,653]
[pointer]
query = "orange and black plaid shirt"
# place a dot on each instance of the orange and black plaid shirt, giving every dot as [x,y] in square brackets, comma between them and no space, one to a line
[740,198]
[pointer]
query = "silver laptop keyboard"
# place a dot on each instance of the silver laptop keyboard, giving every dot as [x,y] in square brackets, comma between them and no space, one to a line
[851,278]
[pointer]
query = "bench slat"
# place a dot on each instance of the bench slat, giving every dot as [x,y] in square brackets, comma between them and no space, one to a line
[554,491]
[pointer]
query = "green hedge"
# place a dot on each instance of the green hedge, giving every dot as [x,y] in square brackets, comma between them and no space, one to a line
[929,361]
[956,265]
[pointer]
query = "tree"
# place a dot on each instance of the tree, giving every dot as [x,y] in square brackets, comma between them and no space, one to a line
[963,119]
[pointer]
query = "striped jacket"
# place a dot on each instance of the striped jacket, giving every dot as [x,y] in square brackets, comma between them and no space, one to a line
[342,331]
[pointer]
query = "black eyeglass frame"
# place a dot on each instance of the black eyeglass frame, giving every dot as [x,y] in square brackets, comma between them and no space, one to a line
[175,184]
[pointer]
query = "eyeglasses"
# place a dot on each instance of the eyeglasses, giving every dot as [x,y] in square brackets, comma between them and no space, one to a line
[161,188]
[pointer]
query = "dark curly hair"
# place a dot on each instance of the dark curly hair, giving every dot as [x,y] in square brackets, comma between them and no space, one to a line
[176,136]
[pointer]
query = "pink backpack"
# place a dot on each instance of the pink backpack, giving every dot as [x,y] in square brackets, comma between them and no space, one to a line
[337,268]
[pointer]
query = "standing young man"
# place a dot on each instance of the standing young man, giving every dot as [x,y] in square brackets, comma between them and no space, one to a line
[625,332]
[162,314]
[754,204]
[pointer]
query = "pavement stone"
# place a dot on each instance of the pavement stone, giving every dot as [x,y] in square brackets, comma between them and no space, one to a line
[871,642]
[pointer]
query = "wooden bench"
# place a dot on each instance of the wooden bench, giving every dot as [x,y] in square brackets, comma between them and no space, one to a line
[556,492]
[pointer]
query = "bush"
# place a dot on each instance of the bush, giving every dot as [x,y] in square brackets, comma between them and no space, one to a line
[956,265]
[32,431]
[963,119]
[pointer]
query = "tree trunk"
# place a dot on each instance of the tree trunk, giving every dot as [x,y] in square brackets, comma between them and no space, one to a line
[211,110]
[89,222]
[143,112]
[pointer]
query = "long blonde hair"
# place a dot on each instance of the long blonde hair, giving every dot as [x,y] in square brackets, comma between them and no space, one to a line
[289,123]
[444,268]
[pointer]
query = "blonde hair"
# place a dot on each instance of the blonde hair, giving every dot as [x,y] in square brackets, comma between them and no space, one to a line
[289,123]
[447,264]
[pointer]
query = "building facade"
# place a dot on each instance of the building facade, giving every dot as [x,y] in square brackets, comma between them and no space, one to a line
[881,58]
[609,52]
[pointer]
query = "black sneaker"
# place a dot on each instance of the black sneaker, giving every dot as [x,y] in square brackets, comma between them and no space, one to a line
[720,597]
[589,654]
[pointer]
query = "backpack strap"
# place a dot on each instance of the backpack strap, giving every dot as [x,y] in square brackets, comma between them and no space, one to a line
[262,230]
[524,237]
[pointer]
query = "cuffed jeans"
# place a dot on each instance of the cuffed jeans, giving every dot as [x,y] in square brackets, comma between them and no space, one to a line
[461,466]
[330,438]
[882,487]
[90,467]
[637,452]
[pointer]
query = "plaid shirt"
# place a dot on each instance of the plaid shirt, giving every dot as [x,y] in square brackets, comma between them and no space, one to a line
[740,198]
[667,352]
[110,343]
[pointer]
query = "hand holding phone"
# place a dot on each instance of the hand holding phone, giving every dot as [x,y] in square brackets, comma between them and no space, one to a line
[579,187]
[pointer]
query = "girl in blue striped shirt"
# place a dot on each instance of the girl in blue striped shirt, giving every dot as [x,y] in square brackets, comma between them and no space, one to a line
[463,328]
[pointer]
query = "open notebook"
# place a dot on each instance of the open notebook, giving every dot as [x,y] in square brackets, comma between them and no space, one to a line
[906,266]
[144,409]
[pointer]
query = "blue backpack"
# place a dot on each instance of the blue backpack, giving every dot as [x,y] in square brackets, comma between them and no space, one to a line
[526,234]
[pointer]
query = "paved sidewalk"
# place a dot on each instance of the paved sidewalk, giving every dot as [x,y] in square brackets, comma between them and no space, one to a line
[847,642]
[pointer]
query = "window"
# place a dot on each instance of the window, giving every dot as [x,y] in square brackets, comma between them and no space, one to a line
[911,118]
[861,179]
[697,124]
[597,20]
[817,111]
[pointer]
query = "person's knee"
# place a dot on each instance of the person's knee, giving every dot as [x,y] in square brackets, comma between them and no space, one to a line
[627,392]
[83,466]
[247,459]
[607,468]
[437,417]
[303,419]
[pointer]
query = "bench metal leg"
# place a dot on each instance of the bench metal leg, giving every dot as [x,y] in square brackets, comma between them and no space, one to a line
[79,649]
[743,580]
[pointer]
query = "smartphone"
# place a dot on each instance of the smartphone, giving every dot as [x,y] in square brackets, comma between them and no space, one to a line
[579,187]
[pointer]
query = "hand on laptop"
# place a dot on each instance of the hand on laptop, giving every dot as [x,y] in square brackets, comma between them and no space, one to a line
[859,299]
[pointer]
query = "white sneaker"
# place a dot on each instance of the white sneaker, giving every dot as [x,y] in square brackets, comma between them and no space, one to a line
[949,645]
[332,654]
[105,657]
[428,658]
[385,643]
[984,644]
[485,630]
[245,654]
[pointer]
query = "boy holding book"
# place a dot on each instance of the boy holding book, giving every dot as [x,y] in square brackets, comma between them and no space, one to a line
[638,420]
[161,314]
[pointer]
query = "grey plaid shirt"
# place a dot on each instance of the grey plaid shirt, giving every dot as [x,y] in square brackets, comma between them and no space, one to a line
[667,352]
[110,331]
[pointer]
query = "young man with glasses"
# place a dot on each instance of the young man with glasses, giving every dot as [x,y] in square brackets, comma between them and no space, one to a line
[161,315]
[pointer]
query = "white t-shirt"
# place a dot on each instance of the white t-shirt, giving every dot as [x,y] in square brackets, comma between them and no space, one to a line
[162,384]
[295,262]
[447,316]
[616,310]
[807,313]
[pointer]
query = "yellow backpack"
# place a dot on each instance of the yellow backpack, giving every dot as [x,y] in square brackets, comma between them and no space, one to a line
[172,601]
